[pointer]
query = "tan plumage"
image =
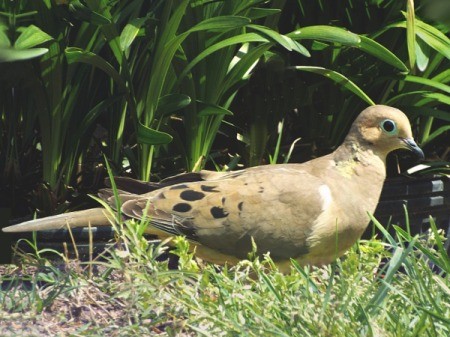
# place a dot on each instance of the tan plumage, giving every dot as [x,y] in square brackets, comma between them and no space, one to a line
[312,212]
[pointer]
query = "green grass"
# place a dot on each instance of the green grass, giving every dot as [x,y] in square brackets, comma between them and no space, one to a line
[380,288]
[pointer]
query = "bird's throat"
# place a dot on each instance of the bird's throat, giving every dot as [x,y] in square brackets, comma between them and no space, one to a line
[352,160]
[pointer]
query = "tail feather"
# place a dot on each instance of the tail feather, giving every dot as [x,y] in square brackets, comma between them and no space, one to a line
[95,217]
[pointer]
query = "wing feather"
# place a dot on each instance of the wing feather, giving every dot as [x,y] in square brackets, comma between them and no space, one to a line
[227,211]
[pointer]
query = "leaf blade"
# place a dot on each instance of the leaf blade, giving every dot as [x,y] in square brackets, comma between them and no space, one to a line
[339,79]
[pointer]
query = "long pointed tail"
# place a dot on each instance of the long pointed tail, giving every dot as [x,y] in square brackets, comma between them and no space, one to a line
[95,216]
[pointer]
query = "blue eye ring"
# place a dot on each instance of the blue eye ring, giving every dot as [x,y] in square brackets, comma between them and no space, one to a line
[389,126]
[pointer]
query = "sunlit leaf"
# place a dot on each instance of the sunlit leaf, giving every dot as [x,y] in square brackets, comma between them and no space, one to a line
[429,34]
[341,36]
[326,34]
[12,54]
[163,60]
[422,54]
[443,77]
[439,97]
[282,40]
[130,32]
[410,33]
[30,37]
[428,82]
[4,40]
[241,68]
[238,39]
[433,37]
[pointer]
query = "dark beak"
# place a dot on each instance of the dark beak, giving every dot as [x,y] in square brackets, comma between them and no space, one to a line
[413,147]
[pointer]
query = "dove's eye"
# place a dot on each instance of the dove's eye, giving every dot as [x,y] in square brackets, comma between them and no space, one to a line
[389,126]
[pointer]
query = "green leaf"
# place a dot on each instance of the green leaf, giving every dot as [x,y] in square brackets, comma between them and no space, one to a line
[171,103]
[339,79]
[427,82]
[299,48]
[258,13]
[220,23]
[207,109]
[429,34]
[445,99]
[238,39]
[319,46]
[130,32]
[433,37]
[146,135]
[410,33]
[74,54]
[342,36]
[84,13]
[282,40]
[422,54]
[443,77]
[413,95]
[240,70]
[374,48]
[30,37]
[4,40]
[435,134]
[327,34]
[12,54]
[163,60]
[23,48]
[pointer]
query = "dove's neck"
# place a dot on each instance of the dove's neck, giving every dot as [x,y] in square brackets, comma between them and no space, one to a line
[356,158]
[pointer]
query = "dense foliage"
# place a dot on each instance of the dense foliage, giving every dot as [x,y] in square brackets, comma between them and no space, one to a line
[160,87]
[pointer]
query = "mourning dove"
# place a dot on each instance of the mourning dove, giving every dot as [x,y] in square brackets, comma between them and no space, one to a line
[311,212]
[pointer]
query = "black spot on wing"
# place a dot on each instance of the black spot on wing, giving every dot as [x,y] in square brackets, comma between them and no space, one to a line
[223,201]
[190,195]
[206,188]
[179,187]
[261,189]
[218,212]
[240,205]
[182,207]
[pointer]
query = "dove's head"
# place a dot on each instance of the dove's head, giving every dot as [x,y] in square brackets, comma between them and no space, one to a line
[384,129]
